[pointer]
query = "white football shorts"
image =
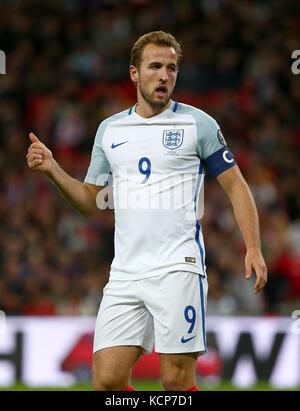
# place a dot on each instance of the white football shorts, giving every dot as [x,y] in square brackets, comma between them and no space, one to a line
[166,313]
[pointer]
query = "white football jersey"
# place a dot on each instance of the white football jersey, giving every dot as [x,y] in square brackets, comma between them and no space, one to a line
[158,166]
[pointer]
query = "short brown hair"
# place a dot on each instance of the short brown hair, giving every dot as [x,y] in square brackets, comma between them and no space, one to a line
[160,38]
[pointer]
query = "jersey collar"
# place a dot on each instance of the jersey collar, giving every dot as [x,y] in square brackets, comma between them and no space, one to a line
[173,107]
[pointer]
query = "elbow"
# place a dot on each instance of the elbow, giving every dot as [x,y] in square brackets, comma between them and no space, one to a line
[87,212]
[89,206]
[84,213]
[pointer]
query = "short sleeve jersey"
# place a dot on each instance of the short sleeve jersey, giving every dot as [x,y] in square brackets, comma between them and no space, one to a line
[157,166]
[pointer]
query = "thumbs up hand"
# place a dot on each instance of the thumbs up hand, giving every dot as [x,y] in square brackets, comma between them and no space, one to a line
[39,157]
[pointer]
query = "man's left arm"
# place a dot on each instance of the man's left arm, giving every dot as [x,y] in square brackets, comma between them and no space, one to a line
[245,213]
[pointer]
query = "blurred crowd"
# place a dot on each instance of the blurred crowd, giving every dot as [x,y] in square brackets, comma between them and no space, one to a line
[67,70]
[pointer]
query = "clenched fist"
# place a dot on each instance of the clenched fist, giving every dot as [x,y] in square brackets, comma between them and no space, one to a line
[39,157]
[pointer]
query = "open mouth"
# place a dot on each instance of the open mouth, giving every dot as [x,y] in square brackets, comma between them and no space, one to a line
[161,90]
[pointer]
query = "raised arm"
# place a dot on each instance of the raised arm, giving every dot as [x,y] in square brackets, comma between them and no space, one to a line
[81,196]
[245,213]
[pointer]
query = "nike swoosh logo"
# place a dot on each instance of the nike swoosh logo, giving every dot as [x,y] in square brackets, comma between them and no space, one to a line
[119,144]
[185,340]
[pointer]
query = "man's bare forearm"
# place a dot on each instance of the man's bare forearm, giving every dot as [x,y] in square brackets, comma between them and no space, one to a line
[243,204]
[79,195]
[245,213]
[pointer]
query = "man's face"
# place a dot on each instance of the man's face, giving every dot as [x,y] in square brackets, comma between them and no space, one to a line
[156,76]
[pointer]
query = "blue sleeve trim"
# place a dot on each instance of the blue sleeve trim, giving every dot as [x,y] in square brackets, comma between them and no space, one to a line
[219,161]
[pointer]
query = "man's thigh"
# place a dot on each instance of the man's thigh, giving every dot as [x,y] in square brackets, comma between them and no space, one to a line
[123,319]
[177,302]
[112,366]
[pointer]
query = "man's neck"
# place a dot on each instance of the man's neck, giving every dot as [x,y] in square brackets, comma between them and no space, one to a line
[145,110]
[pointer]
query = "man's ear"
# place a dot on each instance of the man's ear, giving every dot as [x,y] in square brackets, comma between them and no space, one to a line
[134,74]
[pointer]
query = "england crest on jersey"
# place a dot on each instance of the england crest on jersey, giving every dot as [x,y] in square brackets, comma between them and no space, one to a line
[173,139]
